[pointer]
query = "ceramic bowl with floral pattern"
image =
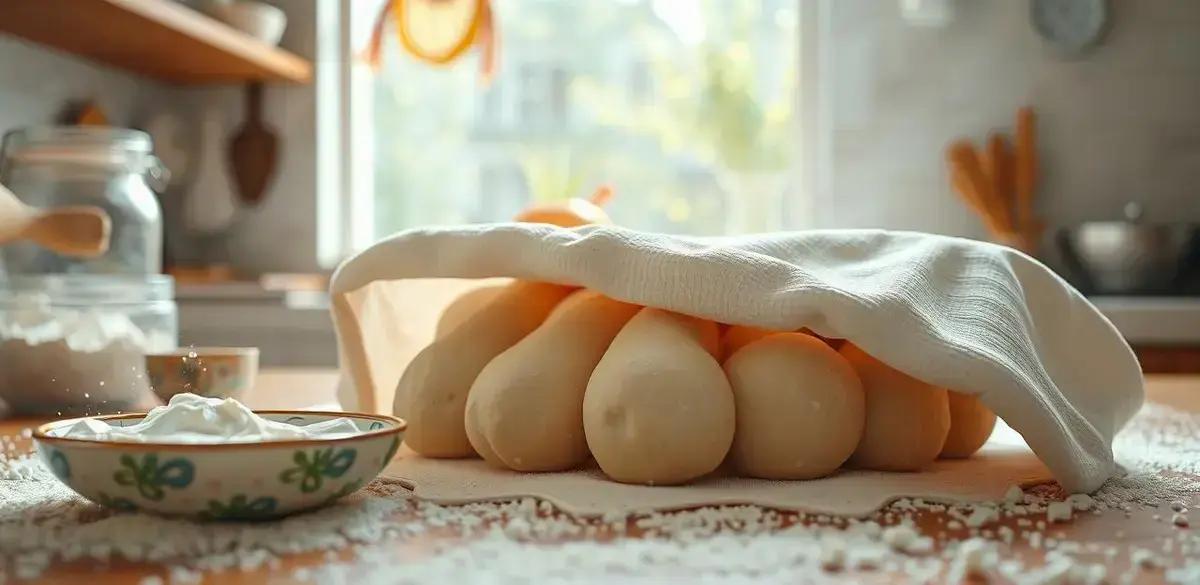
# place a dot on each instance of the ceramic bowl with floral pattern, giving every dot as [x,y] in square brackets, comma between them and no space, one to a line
[237,481]
[214,372]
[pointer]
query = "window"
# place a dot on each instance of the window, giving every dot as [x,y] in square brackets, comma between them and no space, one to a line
[686,108]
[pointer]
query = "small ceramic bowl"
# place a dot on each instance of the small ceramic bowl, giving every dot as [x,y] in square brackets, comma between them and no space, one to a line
[257,19]
[214,372]
[228,481]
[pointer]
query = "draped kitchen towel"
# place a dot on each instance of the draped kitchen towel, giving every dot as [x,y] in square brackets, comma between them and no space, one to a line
[970,316]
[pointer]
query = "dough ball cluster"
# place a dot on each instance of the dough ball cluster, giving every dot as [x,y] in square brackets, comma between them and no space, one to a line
[536,377]
[800,407]
[658,410]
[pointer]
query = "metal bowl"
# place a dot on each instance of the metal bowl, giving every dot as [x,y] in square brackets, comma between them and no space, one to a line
[1124,257]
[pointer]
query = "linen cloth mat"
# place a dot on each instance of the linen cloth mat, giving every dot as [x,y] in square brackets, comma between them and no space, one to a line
[985,477]
[970,316]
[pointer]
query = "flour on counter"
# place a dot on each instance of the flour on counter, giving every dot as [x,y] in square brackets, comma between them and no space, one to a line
[42,522]
[189,418]
[59,361]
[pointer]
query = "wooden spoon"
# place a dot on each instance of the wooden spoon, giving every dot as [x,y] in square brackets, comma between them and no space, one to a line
[999,163]
[80,231]
[252,150]
[1025,172]
[973,184]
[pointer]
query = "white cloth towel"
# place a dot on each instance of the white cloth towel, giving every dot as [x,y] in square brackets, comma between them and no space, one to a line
[970,316]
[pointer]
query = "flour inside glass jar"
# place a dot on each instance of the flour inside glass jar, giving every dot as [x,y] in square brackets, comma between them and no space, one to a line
[57,360]
[192,419]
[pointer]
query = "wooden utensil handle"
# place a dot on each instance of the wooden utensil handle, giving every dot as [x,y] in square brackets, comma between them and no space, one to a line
[1000,176]
[1025,172]
[254,92]
[966,191]
[972,178]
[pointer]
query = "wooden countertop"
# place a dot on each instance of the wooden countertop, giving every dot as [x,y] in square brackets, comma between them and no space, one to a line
[306,388]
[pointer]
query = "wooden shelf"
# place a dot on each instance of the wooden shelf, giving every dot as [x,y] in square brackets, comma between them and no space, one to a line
[157,38]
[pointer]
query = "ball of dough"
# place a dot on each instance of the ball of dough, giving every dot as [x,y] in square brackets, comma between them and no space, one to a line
[658,409]
[525,410]
[571,213]
[432,392]
[735,337]
[706,332]
[738,336]
[800,408]
[907,419]
[971,424]
[465,305]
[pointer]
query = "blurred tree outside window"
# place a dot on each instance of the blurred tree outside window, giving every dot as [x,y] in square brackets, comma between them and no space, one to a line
[685,107]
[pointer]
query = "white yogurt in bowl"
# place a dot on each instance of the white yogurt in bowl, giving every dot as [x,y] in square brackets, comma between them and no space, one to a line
[216,459]
[192,419]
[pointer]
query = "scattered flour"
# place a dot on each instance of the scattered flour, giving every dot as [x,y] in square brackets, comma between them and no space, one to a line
[1145,559]
[833,555]
[1161,438]
[42,520]
[521,541]
[1058,512]
[1081,502]
[1014,495]
[981,515]
[975,558]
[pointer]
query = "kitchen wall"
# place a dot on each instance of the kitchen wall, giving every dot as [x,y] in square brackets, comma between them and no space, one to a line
[36,84]
[279,234]
[1121,124]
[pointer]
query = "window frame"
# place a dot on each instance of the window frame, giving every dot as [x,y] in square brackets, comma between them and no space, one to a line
[345,189]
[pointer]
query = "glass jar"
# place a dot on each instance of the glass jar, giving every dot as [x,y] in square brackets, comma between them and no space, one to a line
[75,344]
[111,168]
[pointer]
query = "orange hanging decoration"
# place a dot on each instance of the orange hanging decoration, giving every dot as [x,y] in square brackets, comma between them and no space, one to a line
[439,32]
[489,44]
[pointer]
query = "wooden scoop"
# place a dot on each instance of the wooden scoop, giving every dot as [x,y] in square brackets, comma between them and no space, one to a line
[971,180]
[80,231]
[252,152]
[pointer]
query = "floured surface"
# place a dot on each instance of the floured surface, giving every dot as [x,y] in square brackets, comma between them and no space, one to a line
[1126,532]
[1003,462]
